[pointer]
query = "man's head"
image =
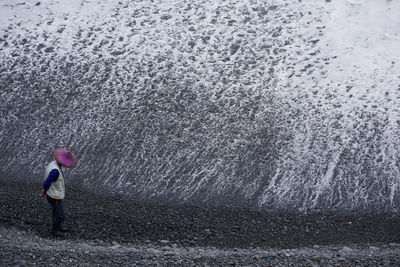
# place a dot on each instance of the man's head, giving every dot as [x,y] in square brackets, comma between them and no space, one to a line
[65,158]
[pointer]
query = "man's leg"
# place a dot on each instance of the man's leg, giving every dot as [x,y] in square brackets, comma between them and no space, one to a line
[52,202]
[58,215]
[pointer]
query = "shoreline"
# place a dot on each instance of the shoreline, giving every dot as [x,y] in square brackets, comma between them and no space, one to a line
[110,220]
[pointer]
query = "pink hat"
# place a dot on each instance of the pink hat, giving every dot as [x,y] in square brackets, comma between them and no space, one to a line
[65,158]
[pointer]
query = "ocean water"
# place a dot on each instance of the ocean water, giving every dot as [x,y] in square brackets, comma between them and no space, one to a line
[270,104]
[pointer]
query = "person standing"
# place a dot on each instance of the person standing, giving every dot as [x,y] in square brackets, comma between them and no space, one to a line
[54,187]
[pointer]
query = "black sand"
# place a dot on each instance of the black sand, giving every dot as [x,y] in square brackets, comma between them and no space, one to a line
[113,219]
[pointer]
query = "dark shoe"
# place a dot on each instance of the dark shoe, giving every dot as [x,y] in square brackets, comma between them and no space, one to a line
[63,229]
[60,227]
[57,233]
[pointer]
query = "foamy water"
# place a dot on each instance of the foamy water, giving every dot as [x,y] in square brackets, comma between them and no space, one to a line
[276,104]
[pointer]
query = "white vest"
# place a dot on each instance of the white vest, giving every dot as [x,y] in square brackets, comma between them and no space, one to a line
[57,188]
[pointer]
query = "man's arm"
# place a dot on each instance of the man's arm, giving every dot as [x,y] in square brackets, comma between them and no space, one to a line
[53,176]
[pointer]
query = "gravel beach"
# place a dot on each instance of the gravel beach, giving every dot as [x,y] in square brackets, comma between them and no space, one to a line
[114,230]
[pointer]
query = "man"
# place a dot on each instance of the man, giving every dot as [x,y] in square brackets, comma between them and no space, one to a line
[54,187]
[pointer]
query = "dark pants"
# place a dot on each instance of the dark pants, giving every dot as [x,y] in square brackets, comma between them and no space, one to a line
[57,206]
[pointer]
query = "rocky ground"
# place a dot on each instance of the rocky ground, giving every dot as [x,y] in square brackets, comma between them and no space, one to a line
[112,230]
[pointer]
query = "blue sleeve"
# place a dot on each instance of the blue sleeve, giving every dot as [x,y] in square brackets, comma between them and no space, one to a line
[53,176]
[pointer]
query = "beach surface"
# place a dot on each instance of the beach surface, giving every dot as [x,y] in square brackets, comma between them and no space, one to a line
[108,229]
